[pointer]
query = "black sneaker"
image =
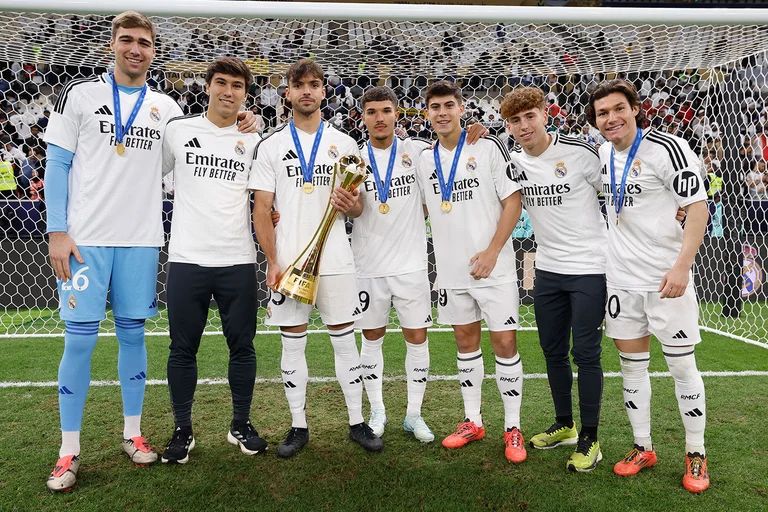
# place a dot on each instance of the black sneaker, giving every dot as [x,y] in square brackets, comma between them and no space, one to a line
[294,441]
[178,448]
[246,437]
[363,435]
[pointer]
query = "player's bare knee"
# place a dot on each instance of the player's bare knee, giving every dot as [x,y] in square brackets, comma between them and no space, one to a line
[504,343]
[415,336]
[375,334]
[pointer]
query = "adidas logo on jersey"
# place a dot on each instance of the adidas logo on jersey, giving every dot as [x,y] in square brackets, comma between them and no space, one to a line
[510,321]
[290,155]
[103,111]
[680,335]
[194,143]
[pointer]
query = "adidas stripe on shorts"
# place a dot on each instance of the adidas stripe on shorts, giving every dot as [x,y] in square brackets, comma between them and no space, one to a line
[409,293]
[498,305]
[636,314]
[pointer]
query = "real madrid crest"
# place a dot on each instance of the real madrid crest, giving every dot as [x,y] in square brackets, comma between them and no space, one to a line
[471,164]
[333,152]
[406,161]
[154,114]
[636,168]
[71,302]
[560,169]
[240,148]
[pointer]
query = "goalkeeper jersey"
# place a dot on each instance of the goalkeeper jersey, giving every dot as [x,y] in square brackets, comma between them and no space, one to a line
[113,200]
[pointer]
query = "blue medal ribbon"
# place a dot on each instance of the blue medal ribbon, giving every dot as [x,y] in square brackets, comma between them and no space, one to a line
[618,195]
[447,186]
[306,168]
[383,187]
[120,129]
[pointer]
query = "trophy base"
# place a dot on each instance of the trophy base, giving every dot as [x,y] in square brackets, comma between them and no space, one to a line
[299,285]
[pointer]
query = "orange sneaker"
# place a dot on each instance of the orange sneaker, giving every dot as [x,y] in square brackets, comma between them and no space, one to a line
[696,477]
[64,474]
[514,446]
[465,433]
[637,459]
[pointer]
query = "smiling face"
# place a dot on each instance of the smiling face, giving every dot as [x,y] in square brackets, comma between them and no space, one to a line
[227,94]
[379,118]
[529,127]
[444,113]
[134,50]
[306,94]
[615,119]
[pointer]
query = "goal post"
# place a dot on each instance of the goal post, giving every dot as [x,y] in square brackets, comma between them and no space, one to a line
[702,73]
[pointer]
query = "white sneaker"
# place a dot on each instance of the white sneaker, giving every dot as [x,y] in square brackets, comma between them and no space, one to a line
[377,422]
[416,425]
[64,474]
[139,450]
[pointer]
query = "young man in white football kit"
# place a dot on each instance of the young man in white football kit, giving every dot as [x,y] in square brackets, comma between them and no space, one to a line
[647,175]
[293,172]
[560,177]
[473,204]
[211,252]
[104,207]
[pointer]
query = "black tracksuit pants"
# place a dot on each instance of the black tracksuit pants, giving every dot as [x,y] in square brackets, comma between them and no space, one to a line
[565,305]
[190,288]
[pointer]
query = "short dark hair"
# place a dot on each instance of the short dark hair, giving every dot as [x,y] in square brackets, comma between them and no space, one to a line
[302,68]
[231,66]
[378,94]
[609,87]
[443,88]
[132,19]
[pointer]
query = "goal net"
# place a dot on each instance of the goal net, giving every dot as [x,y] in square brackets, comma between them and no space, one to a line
[706,82]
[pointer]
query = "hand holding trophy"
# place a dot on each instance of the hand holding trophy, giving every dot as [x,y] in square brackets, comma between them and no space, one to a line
[299,281]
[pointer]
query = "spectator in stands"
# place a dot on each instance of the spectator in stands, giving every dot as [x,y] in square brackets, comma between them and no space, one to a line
[757,181]
[268,100]
[420,130]
[36,185]
[760,142]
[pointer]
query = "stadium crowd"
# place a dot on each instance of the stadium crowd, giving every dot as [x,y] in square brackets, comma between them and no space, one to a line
[673,101]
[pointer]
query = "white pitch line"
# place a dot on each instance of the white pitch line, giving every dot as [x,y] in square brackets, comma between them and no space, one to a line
[322,380]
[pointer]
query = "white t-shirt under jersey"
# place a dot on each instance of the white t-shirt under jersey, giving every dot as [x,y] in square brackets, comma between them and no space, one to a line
[560,188]
[395,243]
[666,175]
[211,209]
[483,179]
[277,169]
[113,200]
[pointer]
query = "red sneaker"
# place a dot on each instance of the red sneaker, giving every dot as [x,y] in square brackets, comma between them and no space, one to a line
[696,477]
[465,433]
[64,474]
[514,446]
[636,460]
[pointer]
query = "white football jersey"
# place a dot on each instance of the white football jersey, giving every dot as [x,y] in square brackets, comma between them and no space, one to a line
[665,175]
[483,179]
[394,243]
[211,167]
[560,189]
[113,200]
[277,169]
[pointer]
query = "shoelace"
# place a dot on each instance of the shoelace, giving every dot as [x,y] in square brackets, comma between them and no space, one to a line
[632,455]
[696,466]
[554,428]
[514,438]
[464,428]
[290,435]
[584,445]
[179,438]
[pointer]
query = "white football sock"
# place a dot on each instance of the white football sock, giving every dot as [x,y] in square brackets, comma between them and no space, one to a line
[347,362]
[637,395]
[131,426]
[471,374]
[509,379]
[416,372]
[689,391]
[293,367]
[70,443]
[372,361]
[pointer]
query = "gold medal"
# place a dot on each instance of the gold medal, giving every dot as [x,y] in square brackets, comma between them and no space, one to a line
[446,206]
[120,149]
[308,187]
[384,208]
